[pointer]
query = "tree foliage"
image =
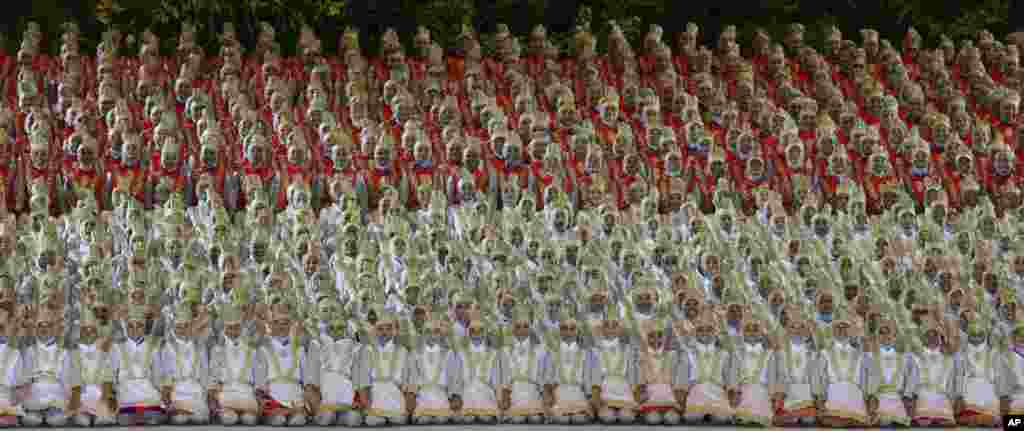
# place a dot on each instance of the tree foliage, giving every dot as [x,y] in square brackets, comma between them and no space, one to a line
[955,19]
[444,18]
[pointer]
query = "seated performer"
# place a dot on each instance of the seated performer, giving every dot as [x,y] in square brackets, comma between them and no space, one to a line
[797,373]
[137,372]
[237,368]
[566,384]
[526,362]
[94,367]
[891,372]
[755,360]
[186,364]
[435,374]
[382,373]
[284,402]
[481,374]
[844,376]
[1011,372]
[12,366]
[335,353]
[46,362]
[979,371]
[615,372]
[710,374]
[933,384]
[660,371]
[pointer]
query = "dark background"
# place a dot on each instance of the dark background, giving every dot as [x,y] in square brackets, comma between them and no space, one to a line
[891,18]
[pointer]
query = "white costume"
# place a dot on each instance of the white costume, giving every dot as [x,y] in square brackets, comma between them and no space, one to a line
[481,376]
[844,376]
[286,370]
[12,366]
[754,364]
[331,365]
[186,365]
[890,376]
[385,371]
[1011,380]
[137,372]
[616,372]
[525,363]
[47,400]
[435,374]
[661,372]
[934,383]
[94,368]
[797,371]
[570,372]
[239,368]
[711,371]
[978,379]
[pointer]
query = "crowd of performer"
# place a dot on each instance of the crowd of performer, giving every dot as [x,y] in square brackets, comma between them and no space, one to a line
[668,234]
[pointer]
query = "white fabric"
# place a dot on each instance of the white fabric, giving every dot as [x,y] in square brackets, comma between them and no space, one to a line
[284,387]
[979,377]
[238,380]
[569,360]
[434,363]
[10,361]
[980,392]
[525,392]
[135,375]
[386,394]
[569,393]
[892,362]
[615,387]
[187,386]
[386,397]
[801,357]
[93,365]
[478,392]
[336,381]
[459,330]
[49,362]
[753,353]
